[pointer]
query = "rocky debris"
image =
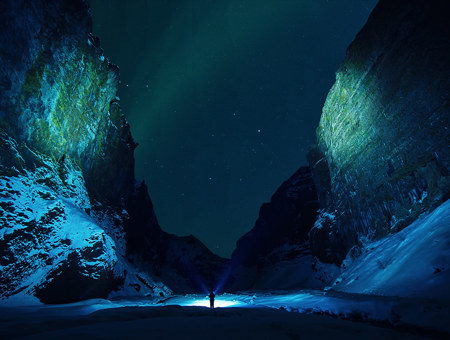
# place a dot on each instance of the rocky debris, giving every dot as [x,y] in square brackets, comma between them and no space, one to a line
[282,227]
[382,155]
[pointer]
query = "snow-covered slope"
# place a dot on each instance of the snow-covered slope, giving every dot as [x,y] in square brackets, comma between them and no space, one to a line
[414,262]
[55,244]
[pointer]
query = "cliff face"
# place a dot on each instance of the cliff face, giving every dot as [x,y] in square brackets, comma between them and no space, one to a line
[66,159]
[72,215]
[382,155]
[59,93]
[183,263]
[280,235]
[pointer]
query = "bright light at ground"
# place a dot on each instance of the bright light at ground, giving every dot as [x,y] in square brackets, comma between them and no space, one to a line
[217,303]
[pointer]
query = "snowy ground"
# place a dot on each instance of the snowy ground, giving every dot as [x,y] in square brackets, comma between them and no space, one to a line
[411,263]
[306,314]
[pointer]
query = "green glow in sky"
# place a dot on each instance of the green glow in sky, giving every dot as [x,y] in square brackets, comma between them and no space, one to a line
[223,98]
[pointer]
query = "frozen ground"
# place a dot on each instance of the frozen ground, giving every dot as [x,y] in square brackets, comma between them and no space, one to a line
[411,263]
[299,315]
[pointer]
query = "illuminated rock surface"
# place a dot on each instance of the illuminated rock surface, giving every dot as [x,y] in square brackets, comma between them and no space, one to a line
[69,204]
[59,93]
[54,243]
[382,156]
[381,163]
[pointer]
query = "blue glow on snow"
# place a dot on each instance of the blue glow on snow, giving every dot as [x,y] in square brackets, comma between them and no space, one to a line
[218,303]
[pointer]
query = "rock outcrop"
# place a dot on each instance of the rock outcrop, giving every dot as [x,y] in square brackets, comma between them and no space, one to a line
[183,263]
[382,159]
[280,235]
[72,215]
[55,244]
[382,156]
[59,93]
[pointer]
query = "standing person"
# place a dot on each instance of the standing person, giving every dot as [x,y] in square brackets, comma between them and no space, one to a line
[211,299]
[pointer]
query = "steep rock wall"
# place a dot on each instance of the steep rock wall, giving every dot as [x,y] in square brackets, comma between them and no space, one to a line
[183,263]
[59,92]
[382,155]
[286,219]
[74,222]
[280,235]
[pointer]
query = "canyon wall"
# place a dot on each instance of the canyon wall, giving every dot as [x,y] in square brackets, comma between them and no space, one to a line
[382,155]
[59,93]
[74,222]
[275,254]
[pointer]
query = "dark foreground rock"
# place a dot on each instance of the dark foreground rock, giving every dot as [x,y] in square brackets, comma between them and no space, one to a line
[382,156]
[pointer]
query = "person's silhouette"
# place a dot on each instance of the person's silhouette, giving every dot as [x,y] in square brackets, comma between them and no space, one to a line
[211,299]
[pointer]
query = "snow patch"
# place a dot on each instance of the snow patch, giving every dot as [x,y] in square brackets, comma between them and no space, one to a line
[414,262]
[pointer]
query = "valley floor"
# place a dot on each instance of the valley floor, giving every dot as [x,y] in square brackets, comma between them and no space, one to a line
[299,315]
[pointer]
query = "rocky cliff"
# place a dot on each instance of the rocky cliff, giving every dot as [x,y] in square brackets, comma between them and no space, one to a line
[59,93]
[280,235]
[72,214]
[382,156]
[381,160]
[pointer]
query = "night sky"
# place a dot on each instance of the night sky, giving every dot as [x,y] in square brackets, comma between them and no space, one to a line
[223,98]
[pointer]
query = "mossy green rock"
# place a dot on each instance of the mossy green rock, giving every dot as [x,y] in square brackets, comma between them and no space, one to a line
[59,93]
[72,215]
[382,155]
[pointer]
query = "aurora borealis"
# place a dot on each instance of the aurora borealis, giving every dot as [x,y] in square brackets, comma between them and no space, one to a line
[223,98]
